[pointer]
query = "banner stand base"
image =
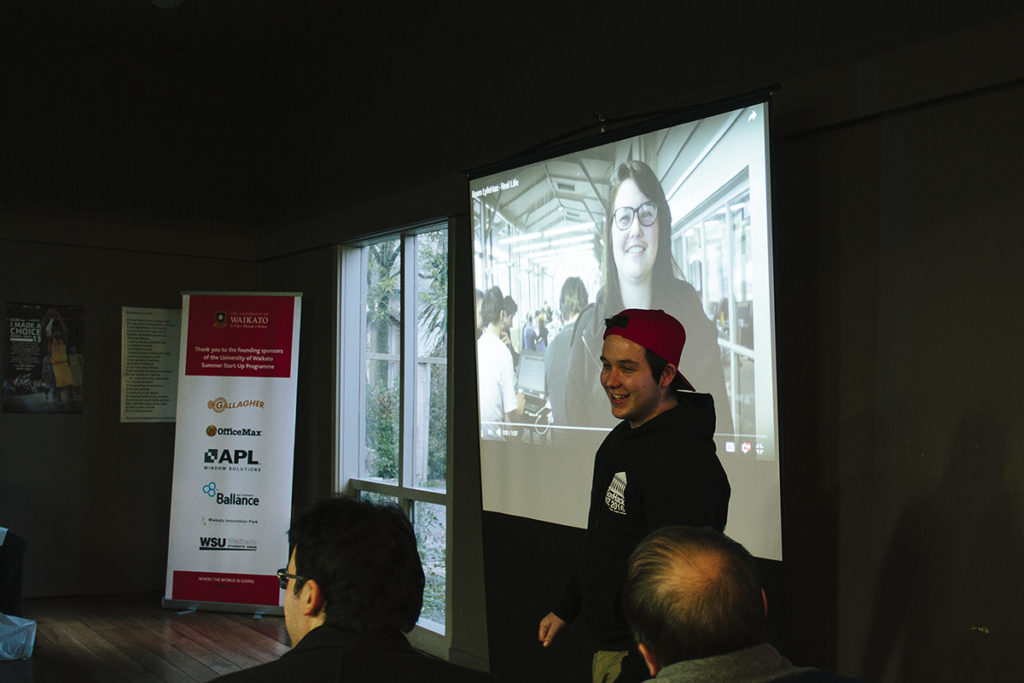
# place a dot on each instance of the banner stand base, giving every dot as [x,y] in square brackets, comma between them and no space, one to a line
[230,607]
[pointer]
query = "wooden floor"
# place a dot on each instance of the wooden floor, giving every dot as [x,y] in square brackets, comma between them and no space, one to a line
[127,638]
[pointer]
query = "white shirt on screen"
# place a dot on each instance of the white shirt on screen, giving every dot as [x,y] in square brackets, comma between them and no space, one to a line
[496,388]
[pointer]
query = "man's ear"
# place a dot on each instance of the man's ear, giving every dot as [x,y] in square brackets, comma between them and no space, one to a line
[764,598]
[652,664]
[667,375]
[312,598]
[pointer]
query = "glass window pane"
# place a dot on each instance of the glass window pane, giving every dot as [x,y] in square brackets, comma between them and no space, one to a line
[742,263]
[430,524]
[746,417]
[383,375]
[378,498]
[429,463]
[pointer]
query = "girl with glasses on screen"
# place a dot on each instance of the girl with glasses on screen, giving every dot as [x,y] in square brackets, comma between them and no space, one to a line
[639,272]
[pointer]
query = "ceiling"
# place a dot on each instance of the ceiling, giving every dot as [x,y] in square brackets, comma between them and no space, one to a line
[208,29]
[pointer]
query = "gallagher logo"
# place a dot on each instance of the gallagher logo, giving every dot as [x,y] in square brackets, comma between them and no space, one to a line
[243,499]
[220,404]
[213,430]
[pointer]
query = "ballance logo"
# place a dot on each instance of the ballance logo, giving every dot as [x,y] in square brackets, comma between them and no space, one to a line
[220,404]
[230,431]
[244,499]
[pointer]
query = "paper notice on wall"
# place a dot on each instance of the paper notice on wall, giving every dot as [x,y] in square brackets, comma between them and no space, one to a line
[150,339]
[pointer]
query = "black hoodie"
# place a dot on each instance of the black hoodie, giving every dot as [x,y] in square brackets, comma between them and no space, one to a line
[662,473]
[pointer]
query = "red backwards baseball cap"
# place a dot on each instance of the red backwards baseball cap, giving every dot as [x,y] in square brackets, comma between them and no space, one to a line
[655,330]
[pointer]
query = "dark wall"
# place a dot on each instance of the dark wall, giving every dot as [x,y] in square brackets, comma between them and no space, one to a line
[313,274]
[91,495]
[921,269]
[125,133]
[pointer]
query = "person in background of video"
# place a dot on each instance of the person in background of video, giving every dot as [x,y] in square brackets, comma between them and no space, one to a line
[540,327]
[571,303]
[639,272]
[495,381]
[508,316]
[478,298]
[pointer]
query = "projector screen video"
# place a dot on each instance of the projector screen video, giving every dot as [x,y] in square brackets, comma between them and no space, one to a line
[551,262]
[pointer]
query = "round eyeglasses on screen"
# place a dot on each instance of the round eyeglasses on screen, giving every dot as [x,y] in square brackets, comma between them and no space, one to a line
[647,212]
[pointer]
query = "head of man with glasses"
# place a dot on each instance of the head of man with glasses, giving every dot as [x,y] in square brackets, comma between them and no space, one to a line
[352,587]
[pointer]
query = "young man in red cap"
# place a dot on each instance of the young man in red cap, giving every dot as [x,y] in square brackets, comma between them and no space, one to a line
[657,468]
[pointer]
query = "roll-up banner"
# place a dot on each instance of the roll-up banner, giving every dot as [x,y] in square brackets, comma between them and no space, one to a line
[233,451]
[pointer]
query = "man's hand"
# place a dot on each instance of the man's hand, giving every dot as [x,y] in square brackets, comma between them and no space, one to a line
[549,628]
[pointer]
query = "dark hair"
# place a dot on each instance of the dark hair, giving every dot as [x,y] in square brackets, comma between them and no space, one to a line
[573,298]
[490,307]
[509,306]
[364,558]
[664,267]
[693,592]
[657,365]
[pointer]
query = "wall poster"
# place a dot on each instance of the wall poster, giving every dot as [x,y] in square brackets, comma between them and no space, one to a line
[44,358]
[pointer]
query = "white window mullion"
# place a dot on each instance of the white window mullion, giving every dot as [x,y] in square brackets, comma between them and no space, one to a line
[407,440]
[351,387]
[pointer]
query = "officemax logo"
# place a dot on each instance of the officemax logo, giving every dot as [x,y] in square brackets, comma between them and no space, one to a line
[213,430]
[220,404]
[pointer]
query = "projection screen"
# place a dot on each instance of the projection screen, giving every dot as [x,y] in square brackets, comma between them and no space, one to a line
[540,236]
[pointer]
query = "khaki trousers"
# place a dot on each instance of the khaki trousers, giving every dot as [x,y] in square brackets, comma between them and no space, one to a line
[607,665]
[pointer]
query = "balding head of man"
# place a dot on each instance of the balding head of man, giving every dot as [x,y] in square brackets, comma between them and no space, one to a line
[692,593]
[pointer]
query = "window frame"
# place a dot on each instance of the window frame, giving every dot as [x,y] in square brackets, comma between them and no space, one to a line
[351,260]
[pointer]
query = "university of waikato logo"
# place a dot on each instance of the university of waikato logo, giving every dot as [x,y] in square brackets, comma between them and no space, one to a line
[220,319]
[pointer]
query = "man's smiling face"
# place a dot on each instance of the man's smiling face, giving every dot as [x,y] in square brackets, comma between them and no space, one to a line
[635,395]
